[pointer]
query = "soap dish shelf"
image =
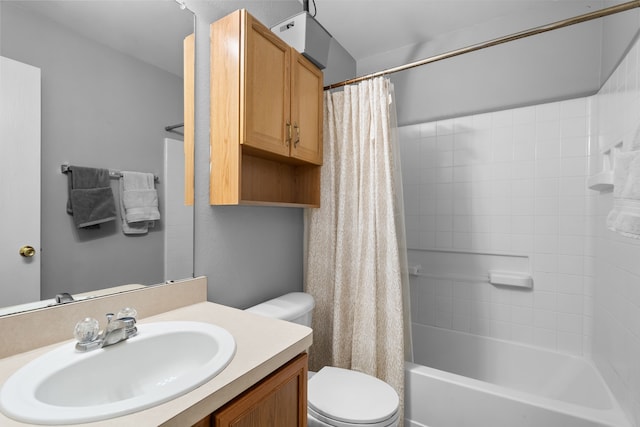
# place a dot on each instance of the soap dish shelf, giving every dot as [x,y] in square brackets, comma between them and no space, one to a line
[603,180]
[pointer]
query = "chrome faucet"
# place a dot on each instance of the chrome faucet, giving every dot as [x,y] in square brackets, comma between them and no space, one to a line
[64,298]
[120,329]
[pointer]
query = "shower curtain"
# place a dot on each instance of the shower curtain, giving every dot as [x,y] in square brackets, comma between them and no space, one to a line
[356,266]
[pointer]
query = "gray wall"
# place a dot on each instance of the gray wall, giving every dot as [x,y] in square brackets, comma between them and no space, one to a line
[100,108]
[249,254]
[561,64]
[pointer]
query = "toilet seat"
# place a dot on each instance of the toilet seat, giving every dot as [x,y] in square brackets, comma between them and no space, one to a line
[345,398]
[327,421]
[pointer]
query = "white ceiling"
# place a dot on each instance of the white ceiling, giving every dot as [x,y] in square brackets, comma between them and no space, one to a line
[365,28]
[384,33]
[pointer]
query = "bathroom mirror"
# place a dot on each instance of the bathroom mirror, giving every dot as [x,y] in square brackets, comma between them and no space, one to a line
[111,81]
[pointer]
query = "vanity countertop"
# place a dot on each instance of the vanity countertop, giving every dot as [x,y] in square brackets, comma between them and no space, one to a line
[262,345]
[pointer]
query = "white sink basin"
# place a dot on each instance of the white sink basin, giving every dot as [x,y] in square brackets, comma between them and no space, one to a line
[165,360]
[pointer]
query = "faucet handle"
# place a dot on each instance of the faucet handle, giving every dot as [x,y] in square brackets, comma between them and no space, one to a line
[127,312]
[86,330]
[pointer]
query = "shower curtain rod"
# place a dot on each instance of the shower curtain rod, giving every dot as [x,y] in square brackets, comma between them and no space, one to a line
[515,36]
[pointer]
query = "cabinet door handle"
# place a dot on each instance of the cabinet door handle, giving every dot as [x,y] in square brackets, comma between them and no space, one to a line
[297,128]
[288,140]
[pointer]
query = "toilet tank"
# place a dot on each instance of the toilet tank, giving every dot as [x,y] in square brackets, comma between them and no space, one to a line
[294,307]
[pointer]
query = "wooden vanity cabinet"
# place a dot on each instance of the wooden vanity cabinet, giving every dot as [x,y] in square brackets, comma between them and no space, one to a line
[266,117]
[279,400]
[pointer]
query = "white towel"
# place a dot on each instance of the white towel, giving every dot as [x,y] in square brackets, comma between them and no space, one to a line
[138,202]
[635,142]
[625,215]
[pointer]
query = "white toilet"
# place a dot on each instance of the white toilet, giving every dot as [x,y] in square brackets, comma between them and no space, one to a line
[336,397]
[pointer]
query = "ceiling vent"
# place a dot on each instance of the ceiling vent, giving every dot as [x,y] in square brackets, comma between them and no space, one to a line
[307,36]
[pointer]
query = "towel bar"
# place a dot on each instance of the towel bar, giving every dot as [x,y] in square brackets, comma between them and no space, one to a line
[115,174]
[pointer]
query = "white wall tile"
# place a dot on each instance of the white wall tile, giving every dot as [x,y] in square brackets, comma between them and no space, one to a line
[545,243]
[511,181]
[573,186]
[572,205]
[571,264]
[545,281]
[522,333]
[545,319]
[522,224]
[574,146]
[547,112]
[570,323]
[522,243]
[574,108]
[522,315]
[546,222]
[547,263]
[570,343]
[569,304]
[570,244]
[571,284]
[548,168]
[444,127]
[572,127]
[428,129]
[524,115]
[522,206]
[524,169]
[547,206]
[574,166]
[545,301]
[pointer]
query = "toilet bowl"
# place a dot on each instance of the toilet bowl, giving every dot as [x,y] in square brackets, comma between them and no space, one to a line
[336,397]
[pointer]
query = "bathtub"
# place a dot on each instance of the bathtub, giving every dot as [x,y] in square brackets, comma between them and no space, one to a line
[461,380]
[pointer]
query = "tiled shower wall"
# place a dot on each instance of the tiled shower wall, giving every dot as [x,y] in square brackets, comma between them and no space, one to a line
[514,182]
[616,345]
[507,182]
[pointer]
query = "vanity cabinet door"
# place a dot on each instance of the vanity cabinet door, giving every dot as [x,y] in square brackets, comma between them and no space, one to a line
[280,400]
[205,422]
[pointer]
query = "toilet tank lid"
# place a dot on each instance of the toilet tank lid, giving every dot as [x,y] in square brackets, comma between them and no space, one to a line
[286,307]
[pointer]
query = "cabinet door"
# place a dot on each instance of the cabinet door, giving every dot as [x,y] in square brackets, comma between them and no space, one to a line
[205,422]
[306,110]
[278,401]
[266,97]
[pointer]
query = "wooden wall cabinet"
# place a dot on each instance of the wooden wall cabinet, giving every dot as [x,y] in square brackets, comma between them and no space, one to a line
[280,400]
[266,117]
[189,82]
